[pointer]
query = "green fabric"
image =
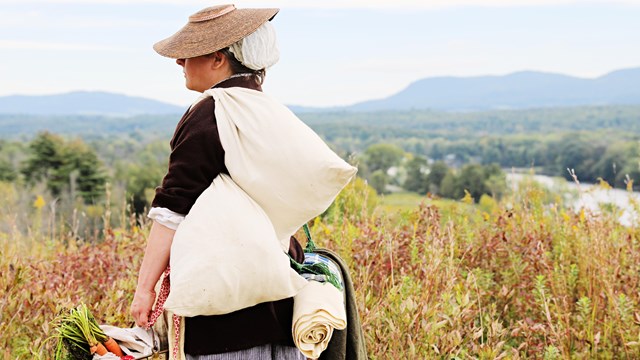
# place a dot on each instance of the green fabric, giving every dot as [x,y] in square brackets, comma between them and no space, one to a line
[350,343]
[315,268]
[311,246]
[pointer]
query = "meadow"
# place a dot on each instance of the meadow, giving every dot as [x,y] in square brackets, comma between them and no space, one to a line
[520,278]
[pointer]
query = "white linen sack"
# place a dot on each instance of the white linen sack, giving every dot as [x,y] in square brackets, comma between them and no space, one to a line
[229,253]
[277,159]
[225,256]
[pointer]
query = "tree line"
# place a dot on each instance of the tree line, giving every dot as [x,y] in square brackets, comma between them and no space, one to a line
[388,167]
[419,151]
[591,156]
[71,170]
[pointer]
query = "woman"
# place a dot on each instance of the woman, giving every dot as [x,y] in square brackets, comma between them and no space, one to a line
[210,50]
[244,200]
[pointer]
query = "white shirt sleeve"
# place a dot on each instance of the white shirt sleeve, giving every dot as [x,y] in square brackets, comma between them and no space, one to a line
[166,217]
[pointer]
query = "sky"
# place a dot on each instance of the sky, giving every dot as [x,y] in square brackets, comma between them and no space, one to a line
[333,52]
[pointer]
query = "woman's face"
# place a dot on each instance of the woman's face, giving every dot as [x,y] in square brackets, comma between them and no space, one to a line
[199,72]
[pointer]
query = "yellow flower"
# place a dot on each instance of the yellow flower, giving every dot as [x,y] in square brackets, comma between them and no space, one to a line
[39,202]
[467,199]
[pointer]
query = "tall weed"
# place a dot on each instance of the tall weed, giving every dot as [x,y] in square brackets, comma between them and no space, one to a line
[517,279]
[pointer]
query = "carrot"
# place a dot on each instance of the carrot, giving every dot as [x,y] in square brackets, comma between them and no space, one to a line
[99,349]
[113,346]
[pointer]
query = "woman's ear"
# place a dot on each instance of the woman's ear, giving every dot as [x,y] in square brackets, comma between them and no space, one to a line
[219,60]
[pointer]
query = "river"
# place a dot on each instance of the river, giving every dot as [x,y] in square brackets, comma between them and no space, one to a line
[588,196]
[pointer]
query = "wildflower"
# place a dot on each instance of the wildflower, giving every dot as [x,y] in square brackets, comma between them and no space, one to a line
[39,202]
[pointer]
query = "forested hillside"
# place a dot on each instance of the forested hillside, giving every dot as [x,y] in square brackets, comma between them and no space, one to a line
[362,127]
[419,151]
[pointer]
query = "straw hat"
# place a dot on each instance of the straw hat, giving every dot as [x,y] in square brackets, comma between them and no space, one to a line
[212,29]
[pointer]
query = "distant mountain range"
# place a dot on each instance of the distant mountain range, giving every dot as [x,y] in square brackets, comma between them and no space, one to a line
[85,103]
[521,90]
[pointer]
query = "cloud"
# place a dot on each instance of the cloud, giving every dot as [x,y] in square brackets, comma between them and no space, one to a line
[372,4]
[436,4]
[40,20]
[39,45]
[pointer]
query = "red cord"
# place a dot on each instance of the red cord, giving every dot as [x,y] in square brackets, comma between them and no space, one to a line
[159,309]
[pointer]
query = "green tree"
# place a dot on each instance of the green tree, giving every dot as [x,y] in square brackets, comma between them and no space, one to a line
[416,180]
[495,183]
[472,178]
[382,157]
[9,151]
[7,172]
[140,176]
[63,166]
[449,187]
[579,153]
[84,170]
[45,161]
[141,179]
[379,181]
[618,160]
[437,172]
[476,179]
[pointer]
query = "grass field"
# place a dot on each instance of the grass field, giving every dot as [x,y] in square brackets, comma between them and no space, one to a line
[523,278]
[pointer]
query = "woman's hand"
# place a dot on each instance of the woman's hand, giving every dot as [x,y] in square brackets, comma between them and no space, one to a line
[154,262]
[141,306]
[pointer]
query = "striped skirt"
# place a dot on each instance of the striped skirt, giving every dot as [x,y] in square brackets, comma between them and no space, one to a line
[263,352]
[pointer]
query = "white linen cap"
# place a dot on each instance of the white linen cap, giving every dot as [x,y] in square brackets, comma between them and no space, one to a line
[258,50]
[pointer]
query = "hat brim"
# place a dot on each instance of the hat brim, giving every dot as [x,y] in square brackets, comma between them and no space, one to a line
[206,37]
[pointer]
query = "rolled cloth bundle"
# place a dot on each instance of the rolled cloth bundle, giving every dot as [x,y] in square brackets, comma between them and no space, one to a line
[318,309]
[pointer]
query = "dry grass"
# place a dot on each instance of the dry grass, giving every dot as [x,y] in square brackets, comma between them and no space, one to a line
[517,279]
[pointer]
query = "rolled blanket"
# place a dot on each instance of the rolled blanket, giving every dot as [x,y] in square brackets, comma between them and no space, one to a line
[318,309]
